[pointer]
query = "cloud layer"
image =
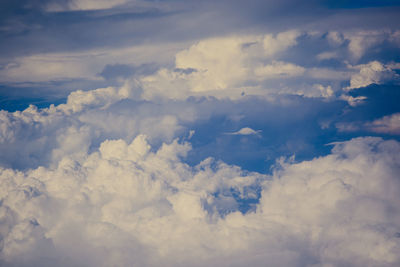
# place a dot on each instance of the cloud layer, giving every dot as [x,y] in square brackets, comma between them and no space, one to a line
[127,204]
[199,133]
[76,191]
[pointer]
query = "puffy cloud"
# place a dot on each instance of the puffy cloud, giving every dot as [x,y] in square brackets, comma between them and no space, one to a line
[253,64]
[35,137]
[230,66]
[373,72]
[128,203]
[227,66]
[102,180]
[282,41]
[119,198]
[222,67]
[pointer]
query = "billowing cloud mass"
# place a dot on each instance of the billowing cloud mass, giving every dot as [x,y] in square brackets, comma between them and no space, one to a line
[199,133]
[373,72]
[104,196]
[126,204]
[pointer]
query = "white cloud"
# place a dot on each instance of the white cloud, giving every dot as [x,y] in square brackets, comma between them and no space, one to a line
[84,64]
[94,188]
[128,203]
[373,72]
[353,101]
[388,124]
[36,137]
[74,5]
[282,41]
[245,131]
[361,41]
[224,67]
[335,38]
[327,55]
[318,90]
[91,4]
[279,69]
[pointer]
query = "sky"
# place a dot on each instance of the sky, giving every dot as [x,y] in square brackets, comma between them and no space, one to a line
[199,133]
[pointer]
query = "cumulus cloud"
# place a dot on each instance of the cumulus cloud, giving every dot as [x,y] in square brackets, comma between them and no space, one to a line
[257,65]
[35,137]
[128,203]
[372,73]
[103,180]
[223,67]
[109,177]
[282,41]
[123,197]
[230,66]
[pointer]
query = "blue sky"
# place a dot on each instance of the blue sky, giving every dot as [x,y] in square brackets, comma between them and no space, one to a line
[193,133]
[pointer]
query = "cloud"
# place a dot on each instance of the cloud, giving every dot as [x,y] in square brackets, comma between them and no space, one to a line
[235,65]
[159,165]
[107,179]
[222,67]
[37,137]
[245,131]
[327,55]
[282,41]
[278,70]
[372,73]
[148,189]
[361,41]
[226,66]
[129,203]
[79,5]
[82,65]
[388,124]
